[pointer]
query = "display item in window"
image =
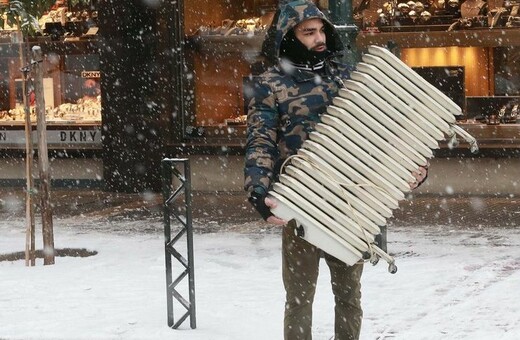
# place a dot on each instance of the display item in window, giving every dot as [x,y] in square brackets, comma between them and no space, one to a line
[473,8]
[240,120]
[85,109]
[513,10]
[413,15]
[360,8]
[247,26]
[513,22]
[404,13]
[64,22]
[474,15]
[90,89]
[508,114]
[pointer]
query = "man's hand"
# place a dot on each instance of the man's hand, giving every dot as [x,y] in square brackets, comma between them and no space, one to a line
[420,176]
[273,219]
[258,198]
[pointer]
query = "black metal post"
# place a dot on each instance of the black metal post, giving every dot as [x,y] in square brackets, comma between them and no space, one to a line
[170,173]
[341,14]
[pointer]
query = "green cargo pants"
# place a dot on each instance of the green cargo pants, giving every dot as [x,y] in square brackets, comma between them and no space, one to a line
[300,274]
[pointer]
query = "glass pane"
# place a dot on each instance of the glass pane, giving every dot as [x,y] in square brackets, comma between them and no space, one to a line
[507,71]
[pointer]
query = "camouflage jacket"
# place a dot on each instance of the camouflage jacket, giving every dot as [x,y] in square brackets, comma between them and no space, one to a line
[287,103]
[282,113]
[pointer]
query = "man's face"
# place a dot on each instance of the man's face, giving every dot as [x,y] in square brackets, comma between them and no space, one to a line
[311,33]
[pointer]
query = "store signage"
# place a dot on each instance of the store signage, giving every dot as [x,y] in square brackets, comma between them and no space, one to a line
[90,74]
[91,137]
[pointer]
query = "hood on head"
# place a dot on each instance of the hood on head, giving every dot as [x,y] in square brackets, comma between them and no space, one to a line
[288,16]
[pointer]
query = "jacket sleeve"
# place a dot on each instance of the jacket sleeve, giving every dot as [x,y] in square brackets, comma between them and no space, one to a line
[262,134]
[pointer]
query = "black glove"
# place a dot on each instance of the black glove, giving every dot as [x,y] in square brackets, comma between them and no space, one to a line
[257,199]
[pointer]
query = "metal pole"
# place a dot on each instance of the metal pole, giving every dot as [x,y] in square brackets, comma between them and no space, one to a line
[341,14]
[166,174]
[189,239]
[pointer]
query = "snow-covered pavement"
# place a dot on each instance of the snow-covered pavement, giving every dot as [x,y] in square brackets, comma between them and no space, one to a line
[452,283]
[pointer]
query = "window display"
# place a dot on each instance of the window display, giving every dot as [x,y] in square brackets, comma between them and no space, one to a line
[71,77]
[417,15]
[71,89]
[223,46]
[507,69]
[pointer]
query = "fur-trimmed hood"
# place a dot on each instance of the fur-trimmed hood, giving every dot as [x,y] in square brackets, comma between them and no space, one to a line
[290,14]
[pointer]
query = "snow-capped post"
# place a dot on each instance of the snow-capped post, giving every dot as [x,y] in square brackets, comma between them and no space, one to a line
[170,176]
[43,158]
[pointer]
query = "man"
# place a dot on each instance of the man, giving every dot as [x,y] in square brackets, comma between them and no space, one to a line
[287,102]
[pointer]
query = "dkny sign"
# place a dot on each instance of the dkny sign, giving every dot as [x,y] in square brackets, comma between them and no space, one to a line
[90,74]
[91,138]
[79,136]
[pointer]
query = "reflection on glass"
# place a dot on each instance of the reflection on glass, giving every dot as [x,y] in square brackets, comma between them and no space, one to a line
[507,70]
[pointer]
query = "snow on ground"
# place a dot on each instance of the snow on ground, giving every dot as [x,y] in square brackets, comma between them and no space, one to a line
[451,284]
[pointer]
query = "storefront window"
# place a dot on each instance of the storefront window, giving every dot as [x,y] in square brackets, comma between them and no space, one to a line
[459,48]
[71,78]
[224,42]
[507,71]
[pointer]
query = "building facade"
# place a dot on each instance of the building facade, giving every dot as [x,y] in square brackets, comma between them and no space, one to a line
[131,82]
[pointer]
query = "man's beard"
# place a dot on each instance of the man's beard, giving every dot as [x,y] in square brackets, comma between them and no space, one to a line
[296,52]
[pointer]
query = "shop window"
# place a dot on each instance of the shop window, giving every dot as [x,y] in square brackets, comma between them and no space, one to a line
[507,71]
[70,78]
[223,43]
